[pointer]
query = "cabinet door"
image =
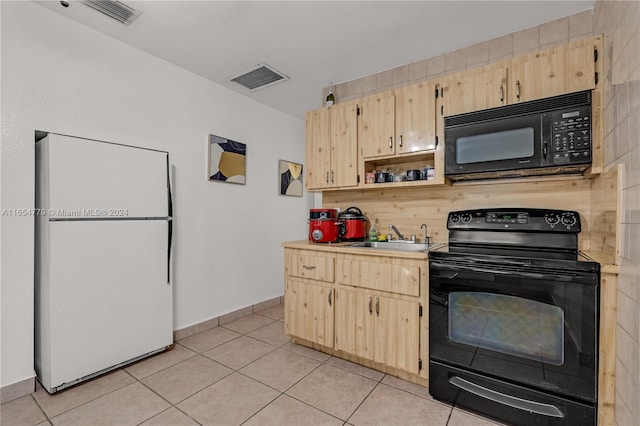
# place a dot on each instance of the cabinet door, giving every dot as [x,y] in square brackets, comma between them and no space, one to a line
[397,333]
[415,118]
[475,90]
[318,148]
[309,311]
[376,125]
[344,145]
[555,71]
[354,326]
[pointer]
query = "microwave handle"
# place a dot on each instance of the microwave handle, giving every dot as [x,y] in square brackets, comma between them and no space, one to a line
[545,149]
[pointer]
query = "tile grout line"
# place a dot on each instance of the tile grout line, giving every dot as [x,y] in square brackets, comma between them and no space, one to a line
[171,405]
[86,402]
[365,398]
[46,416]
[281,393]
[200,353]
[233,370]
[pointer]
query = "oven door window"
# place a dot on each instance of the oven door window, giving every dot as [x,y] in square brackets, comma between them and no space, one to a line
[508,324]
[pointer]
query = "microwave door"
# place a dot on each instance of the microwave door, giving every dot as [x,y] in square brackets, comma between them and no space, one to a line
[496,145]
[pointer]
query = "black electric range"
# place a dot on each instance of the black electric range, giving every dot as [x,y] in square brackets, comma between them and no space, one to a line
[513,317]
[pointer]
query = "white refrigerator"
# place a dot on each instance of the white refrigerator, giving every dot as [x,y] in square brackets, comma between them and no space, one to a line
[103,288]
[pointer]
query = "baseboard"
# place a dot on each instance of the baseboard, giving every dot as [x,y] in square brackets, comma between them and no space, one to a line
[228,317]
[17,389]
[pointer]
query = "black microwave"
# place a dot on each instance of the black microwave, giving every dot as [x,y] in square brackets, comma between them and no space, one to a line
[540,137]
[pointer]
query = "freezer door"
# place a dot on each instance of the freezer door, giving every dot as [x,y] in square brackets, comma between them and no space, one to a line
[81,178]
[108,297]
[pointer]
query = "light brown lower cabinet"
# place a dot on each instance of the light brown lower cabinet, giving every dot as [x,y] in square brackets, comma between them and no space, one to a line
[382,329]
[367,309]
[309,311]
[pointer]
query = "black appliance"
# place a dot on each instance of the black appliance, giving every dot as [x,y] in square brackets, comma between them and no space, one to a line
[514,317]
[541,137]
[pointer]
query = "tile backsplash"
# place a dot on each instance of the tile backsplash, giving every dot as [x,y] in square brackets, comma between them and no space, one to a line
[498,49]
[619,22]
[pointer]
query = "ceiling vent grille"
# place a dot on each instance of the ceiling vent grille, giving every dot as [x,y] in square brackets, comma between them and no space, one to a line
[258,77]
[118,10]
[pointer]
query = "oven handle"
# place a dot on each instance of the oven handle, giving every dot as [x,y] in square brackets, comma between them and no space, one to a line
[504,399]
[457,268]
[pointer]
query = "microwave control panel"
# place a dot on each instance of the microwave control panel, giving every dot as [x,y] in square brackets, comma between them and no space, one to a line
[570,133]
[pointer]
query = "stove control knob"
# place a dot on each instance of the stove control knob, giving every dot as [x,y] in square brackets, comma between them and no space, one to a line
[569,219]
[466,218]
[552,219]
[454,218]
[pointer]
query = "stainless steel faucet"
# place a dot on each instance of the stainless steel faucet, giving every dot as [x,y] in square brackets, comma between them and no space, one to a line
[394,229]
[426,237]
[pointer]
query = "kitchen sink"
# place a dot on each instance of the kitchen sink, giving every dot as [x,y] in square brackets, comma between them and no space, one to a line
[390,245]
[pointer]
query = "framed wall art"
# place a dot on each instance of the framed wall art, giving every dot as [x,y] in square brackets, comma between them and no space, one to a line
[227,160]
[290,178]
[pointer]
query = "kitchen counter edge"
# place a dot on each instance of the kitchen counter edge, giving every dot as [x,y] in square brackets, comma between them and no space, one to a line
[345,248]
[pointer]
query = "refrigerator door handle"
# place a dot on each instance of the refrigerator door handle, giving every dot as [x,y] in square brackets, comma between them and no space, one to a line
[170,225]
[170,209]
[169,221]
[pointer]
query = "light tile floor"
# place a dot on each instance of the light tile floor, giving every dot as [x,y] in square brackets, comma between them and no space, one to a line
[245,372]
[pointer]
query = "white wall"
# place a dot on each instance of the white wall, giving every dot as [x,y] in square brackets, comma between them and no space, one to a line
[60,76]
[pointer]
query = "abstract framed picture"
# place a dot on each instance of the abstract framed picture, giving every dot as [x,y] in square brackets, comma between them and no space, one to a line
[227,160]
[290,175]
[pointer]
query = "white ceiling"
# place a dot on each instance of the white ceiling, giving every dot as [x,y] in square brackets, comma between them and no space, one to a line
[313,42]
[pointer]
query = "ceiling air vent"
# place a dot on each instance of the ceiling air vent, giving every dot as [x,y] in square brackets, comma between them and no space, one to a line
[258,77]
[118,10]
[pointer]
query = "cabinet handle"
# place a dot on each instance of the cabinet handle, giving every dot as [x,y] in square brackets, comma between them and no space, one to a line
[308,268]
[518,90]
[377,307]
[390,142]
[400,140]
[370,305]
[332,177]
[327,178]
[502,93]
[330,297]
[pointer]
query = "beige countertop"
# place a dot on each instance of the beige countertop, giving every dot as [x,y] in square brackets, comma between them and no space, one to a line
[345,248]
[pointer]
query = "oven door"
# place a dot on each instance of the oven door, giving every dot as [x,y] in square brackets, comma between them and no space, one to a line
[508,143]
[530,326]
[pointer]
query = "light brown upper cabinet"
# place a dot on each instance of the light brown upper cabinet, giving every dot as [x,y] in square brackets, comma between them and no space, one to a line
[318,148]
[474,90]
[415,118]
[562,69]
[555,71]
[398,122]
[376,125]
[332,147]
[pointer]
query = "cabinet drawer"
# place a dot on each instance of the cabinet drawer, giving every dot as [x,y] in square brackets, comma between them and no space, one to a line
[384,274]
[311,265]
